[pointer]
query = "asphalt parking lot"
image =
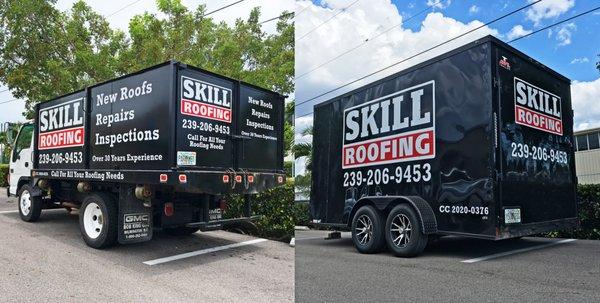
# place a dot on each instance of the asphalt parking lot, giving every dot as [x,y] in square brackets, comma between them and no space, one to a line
[47,261]
[450,270]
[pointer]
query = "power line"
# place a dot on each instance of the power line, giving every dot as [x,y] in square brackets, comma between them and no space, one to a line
[222,8]
[419,53]
[554,24]
[122,8]
[11,100]
[275,18]
[323,23]
[366,41]
[516,39]
[206,14]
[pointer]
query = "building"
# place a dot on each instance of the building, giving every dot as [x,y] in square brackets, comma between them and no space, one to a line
[587,155]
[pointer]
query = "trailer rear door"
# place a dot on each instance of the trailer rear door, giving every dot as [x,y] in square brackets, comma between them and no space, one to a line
[537,180]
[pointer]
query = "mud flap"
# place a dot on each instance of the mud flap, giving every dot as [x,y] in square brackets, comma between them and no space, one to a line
[135,219]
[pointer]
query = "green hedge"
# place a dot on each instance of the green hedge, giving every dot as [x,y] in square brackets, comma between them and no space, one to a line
[3,175]
[588,197]
[277,208]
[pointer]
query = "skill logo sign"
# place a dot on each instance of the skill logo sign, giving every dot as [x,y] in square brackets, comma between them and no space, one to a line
[205,100]
[61,125]
[537,108]
[398,127]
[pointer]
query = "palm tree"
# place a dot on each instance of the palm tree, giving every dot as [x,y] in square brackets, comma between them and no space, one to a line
[304,149]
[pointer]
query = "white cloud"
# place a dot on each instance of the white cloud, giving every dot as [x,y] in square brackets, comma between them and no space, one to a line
[441,4]
[564,34]
[580,60]
[517,31]
[364,18]
[352,27]
[548,9]
[585,96]
[474,9]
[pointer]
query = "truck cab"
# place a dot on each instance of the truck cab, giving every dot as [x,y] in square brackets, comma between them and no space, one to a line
[21,159]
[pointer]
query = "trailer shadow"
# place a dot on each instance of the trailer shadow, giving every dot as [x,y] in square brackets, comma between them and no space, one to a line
[446,247]
[63,227]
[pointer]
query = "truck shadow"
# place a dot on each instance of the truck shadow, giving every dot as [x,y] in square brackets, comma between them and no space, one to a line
[60,226]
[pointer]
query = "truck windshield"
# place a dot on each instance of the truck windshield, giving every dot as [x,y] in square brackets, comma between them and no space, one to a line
[23,141]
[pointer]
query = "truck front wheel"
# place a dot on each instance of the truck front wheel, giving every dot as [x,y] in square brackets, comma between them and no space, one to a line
[367,230]
[98,220]
[403,232]
[30,207]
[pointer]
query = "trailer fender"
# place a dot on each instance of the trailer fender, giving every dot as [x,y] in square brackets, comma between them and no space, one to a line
[385,203]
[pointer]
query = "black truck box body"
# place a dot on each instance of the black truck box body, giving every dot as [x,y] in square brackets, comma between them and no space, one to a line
[170,124]
[459,131]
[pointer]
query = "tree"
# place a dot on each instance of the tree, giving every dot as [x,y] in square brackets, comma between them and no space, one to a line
[45,53]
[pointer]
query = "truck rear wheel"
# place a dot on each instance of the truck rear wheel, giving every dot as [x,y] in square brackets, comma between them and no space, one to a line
[181,230]
[367,230]
[98,220]
[30,207]
[403,232]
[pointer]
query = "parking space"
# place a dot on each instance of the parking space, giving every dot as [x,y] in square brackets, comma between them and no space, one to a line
[48,261]
[451,269]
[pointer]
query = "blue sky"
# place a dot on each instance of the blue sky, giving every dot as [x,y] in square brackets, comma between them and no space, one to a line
[585,39]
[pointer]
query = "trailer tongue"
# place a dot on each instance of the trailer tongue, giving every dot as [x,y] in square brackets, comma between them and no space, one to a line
[159,147]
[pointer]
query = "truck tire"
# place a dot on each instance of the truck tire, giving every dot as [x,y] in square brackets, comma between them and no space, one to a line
[98,220]
[181,230]
[30,208]
[403,232]
[367,230]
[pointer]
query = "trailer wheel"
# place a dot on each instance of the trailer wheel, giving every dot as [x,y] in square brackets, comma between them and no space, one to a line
[181,230]
[403,232]
[98,220]
[30,208]
[367,230]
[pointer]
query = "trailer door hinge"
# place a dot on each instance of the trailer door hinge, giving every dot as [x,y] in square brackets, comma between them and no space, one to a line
[496,82]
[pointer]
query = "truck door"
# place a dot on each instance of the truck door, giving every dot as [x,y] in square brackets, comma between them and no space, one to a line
[537,181]
[205,117]
[21,160]
[260,130]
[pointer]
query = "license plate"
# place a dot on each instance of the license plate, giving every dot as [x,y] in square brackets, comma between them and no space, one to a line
[512,215]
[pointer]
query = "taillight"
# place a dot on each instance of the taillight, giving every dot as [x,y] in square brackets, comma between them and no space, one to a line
[250,178]
[238,179]
[182,178]
[225,178]
[169,209]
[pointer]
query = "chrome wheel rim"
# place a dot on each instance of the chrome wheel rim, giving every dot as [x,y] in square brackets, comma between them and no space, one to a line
[25,202]
[401,230]
[93,220]
[364,229]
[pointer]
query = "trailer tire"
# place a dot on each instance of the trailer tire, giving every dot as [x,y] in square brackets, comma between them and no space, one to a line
[98,220]
[30,207]
[181,230]
[367,230]
[403,232]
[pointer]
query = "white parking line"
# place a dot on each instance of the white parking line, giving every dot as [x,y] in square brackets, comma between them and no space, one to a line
[9,211]
[202,252]
[517,251]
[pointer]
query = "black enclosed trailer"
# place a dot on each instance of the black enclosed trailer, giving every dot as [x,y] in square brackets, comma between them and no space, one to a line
[475,142]
[156,148]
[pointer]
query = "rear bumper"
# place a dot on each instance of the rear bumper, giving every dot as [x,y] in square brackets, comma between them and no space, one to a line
[191,181]
[219,224]
[521,230]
